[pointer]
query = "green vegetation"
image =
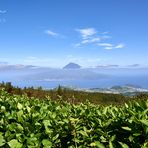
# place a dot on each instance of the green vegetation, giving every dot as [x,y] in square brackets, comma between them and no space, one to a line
[36,123]
[71,96]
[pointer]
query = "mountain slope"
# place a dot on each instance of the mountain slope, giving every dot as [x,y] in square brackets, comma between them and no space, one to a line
[72,66]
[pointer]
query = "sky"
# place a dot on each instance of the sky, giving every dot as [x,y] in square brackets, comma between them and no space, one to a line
[88,32]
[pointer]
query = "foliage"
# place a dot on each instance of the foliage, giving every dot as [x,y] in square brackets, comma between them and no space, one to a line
[35,123]
[71,96]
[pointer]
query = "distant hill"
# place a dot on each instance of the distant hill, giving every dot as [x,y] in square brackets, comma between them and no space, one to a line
[72,66]
[7,67]
[128,89]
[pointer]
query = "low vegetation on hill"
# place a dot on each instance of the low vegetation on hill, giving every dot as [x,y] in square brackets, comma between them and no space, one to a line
[71,96]
[34,123]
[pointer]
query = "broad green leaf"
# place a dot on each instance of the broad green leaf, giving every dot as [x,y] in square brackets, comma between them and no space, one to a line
[47,123]
[145,122]
[136,134]
[84,133]
[2,140]
[28,109]
[14,144]
[126,128]
[145,145]
[20,128]
[55,137]
[113,138]
[19,115]
[131,138]
[93,144]
[123,145]
[47,143]
[111,145]
[19,106]
[3,108]
[32,141]
[54,115]
[99,145]
[126,105]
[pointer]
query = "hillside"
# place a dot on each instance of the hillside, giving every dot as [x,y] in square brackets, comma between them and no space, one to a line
[72,66]
[44,123]
[71,95]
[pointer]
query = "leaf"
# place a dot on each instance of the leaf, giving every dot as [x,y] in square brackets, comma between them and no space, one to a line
[19,106]
[145,122]
[19,127]
[19,115]
[137,134]
[145,145]
[54,115]
[12,127]
[46,123]
[131,138]
[111,145]
[14,144]
[28,109]
[99,145]
[126,105]
[113,138]
[47,143]
[126,128]
[123,145]
[32,141]
[2,140]
[3,108]
[55,137]
[105,110]
[93,144]
[83,133]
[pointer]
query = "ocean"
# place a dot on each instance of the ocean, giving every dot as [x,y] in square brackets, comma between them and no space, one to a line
[112,77]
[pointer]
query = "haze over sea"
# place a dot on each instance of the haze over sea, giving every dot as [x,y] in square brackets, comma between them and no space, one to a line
[77,78]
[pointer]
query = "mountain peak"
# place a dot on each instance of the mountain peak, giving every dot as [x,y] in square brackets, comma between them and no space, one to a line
[72,66]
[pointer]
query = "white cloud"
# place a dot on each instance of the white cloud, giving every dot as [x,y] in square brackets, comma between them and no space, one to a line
[134,65]
[104,37]
[92,37]
[92,40]
[51,33]
[95,39]
[3,11]
[108,48]
[85,41]
[89,36]
[108,66]
[121,45]
[105,32]
[87,32]
[105,44]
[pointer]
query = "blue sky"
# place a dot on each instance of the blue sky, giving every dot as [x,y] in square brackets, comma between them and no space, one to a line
[88,32]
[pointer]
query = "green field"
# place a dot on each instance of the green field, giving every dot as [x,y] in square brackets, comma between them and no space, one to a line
[36,123]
